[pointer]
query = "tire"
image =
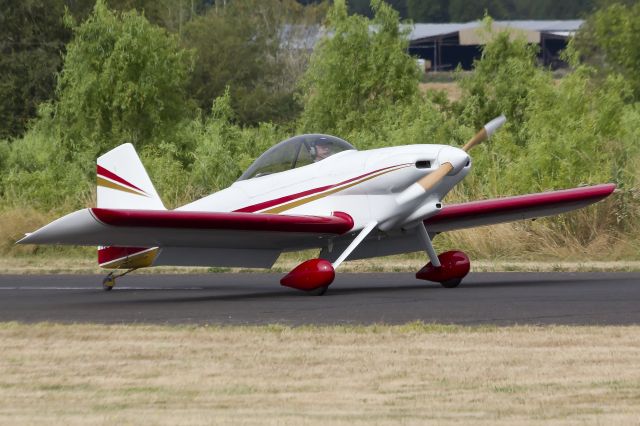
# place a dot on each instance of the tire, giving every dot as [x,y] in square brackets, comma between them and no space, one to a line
[451,283]
[108,283]
[318,291]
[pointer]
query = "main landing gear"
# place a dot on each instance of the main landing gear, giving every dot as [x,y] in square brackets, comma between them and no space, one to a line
[110,280]
[448,268]
[454,266]
[315,275]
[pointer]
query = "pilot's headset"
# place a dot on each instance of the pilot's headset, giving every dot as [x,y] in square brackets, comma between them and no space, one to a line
[312,145]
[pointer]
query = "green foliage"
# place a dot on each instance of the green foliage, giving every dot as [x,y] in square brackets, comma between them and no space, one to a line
[558,135]
[356,73]
[364,7]
[32,39]
[242,46]
[36,174]
[224,150]
[609,41]
[428,10]
[123,81]
[221,151]
[464,11]
[504,80]
[169,14]
[574,136]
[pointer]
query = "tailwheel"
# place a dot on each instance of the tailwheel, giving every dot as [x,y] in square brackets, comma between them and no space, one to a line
[108,282]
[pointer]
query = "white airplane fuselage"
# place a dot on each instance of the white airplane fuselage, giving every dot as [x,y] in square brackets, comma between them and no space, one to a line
[364,184]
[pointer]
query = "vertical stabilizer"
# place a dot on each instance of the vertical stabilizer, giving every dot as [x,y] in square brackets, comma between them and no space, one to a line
[123,182]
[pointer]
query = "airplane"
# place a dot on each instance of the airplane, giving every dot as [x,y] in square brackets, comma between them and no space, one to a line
[311,191]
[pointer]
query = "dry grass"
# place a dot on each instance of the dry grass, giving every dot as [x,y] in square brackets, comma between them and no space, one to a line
[452,90]
[89,374]
[13,225]
[538,242]
[404,263]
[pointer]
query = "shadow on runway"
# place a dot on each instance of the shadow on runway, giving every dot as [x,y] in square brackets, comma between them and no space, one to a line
[278,293]
[546,281]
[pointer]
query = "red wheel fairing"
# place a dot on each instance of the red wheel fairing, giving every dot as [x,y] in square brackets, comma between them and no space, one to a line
[310,275]
[455,265]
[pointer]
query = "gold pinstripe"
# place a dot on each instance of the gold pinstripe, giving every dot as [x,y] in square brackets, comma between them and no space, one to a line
[296,203]
[108,184]
[136,260]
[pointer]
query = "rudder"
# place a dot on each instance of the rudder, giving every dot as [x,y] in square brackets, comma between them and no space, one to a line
[123,183]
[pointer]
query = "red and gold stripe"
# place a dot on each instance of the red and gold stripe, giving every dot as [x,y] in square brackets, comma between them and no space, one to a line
[288,202]
[108,179]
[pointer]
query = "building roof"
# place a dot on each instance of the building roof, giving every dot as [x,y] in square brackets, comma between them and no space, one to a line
[469,31]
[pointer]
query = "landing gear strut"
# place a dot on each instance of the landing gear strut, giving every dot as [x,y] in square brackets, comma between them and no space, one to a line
[315,275]
[110,280]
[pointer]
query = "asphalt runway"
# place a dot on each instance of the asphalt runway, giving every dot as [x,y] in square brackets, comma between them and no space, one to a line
[393,298]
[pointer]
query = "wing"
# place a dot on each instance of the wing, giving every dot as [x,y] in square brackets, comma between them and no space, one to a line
[156,228]
[475,213]
[509,209]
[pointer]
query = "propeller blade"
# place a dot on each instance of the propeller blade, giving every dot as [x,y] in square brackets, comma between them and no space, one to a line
[485,133]
[424,184]
[434,178]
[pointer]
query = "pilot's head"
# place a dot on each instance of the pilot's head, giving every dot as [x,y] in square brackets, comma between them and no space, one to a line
[323,149]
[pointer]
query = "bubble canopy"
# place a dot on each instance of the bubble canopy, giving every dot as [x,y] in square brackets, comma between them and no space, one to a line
[296,152]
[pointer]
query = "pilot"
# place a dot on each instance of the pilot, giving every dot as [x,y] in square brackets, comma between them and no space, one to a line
[322,150]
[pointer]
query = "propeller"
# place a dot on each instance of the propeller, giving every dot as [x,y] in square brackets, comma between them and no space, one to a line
[485,133]
[429,181]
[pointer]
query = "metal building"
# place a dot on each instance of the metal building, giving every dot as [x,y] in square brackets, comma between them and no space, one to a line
[445,46]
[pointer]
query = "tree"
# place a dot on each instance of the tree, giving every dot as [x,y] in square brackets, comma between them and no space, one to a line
[32,40]
[609,41]
[169,14]
[552,9]
[363,7]
[428,10]
[502,82]
[123,81]
[357,72]
[243,46]
[464,11]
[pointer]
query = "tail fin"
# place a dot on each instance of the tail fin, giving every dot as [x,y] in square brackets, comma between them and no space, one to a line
[123,182]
